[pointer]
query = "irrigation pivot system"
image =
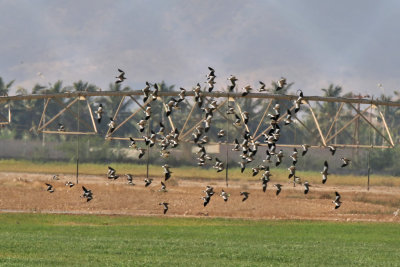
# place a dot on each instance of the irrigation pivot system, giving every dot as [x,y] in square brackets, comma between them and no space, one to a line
[358,110]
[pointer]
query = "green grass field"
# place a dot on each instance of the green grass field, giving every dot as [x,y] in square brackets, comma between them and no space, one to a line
[72,240]
[185,172]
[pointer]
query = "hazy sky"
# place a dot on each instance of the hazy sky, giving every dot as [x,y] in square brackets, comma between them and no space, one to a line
[312,43]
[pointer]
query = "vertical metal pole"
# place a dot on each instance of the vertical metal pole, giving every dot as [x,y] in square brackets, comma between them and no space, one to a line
[227,145]
[369,150]
[77,150]
[148,150]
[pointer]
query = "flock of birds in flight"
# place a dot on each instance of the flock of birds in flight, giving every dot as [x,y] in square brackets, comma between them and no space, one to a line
[247,146]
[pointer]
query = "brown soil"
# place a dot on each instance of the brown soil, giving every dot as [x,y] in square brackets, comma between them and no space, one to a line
[23,192]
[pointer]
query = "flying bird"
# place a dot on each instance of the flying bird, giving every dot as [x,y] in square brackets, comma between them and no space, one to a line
[262,88]
[306,187]
[99,113]
[245,195]
[305,149]
[121,77]
[167,172]
[87,194]
[325,172]
[280,84]
[50,188]
[278,188]
[345,162]
[224,195]
[337,201]
[70,184]
[165,204]
[332,149]
[148,182]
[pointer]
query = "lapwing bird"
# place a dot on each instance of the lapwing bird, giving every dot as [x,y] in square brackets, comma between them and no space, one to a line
[332,149]
[209,190]
[268,156]
[210,84]
[219,165]
[325,172]
[297,103]
[224,195]
[396,213]
[296,180]
[278,188]
[111,171]
[132,143]
[221,133]
[245,116]
[279,157]
[165,204]
[337,201]
[164,153]
[155,92]
[255,171]
[161,129]
[233,80]
[237,120]
[146,92]
[61,127]
[147,112]
[305,149]
[142,124]
[55,177]
[87,194]
[99,113]
[142,151]
[280,84]
[245,195]
[163,187]
[121,77]
[292,170]
[288,119]
[235,145]
[345,162]
[167,172]
[230,110]
[247,90]
[70,184]
[306,187]
[129,178]
[276,108]
[206,200]
[148,182]
[242,166]
[111,125]
[294,156]
[264,179]
[50,188]
[211,74]
[182,94]
[262,87]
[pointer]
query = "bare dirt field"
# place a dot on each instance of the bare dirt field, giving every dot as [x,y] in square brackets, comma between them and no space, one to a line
[25,192]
